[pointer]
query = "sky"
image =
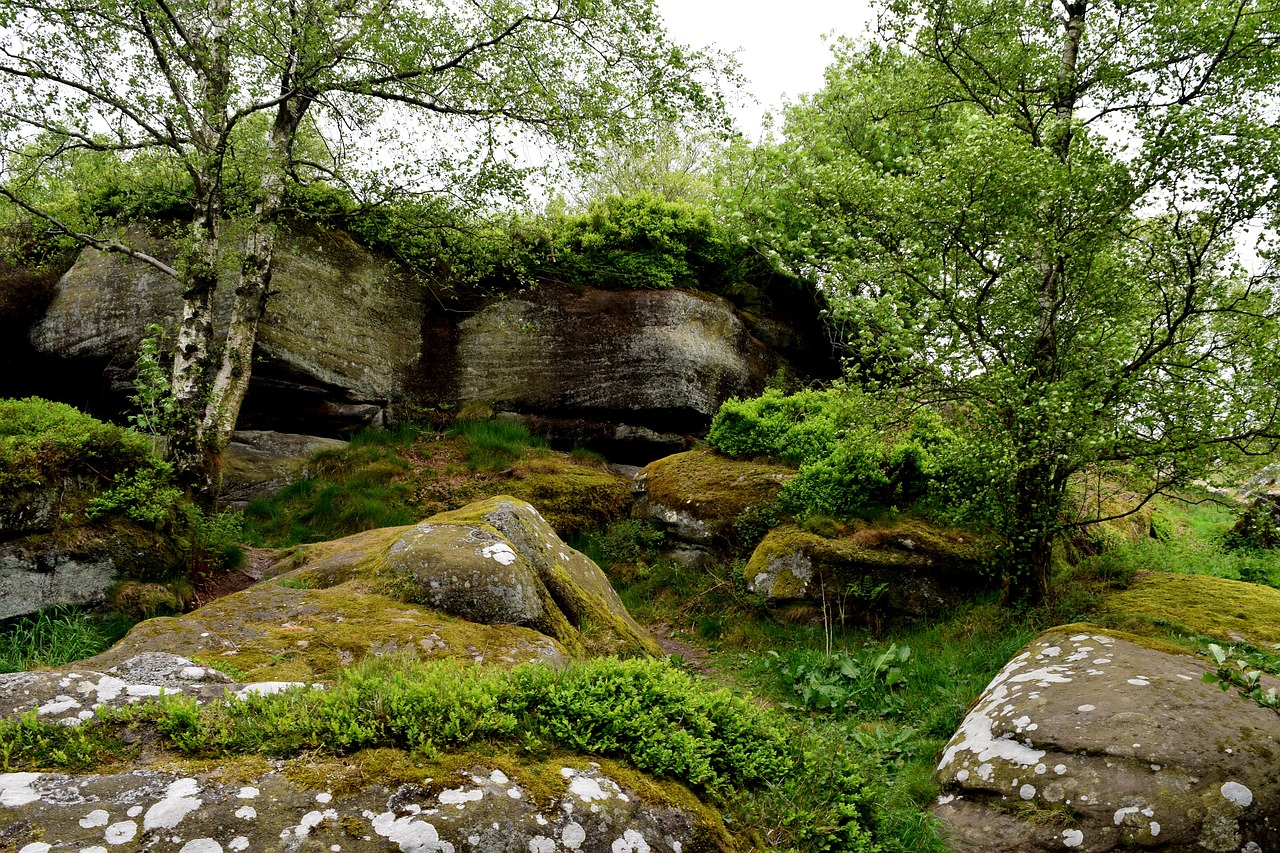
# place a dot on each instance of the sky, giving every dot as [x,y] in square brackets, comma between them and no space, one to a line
[778,42]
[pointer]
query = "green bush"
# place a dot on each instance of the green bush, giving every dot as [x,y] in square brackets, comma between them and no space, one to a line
[847,466]
[41,441]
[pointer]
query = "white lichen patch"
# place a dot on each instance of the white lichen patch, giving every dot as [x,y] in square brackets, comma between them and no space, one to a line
[178,802]
[95,818]
[573,835]
[542,844]
[588,790]
[630,842]
[1027,792]
[1086,708]
[1072,838]
[1237,794]
[497,777]
[413,835]
[460,797]
[122,832]
[247,813]
[247,793]
[201,845]
[500,552]
[16,789]
[58,705]
[266,688]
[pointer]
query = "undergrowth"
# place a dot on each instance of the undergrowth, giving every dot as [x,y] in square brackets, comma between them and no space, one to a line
[649,714]
[56,636]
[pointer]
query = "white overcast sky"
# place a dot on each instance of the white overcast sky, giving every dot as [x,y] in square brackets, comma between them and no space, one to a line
[778,42]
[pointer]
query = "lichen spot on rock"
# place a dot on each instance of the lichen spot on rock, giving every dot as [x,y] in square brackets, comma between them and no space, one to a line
[1072,838]
[501,552]
[1237,794]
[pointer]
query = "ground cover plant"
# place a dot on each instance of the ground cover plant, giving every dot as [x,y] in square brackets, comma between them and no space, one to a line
[57,636]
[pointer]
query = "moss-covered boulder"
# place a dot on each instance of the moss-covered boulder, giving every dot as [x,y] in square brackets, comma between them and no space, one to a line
[54,547]
[496,560]
[1088,741]
[572,497]
[903,567]
[701,499]
[377,800]
[1231,611]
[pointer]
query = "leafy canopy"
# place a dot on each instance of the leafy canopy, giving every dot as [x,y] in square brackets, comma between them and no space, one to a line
[1029,215]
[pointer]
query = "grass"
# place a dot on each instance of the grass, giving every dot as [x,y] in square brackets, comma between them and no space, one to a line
[57,636]
[493,445]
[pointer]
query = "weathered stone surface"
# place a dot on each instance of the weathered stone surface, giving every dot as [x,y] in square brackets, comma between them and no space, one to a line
[1090,742]
[280,633]
[907,567]
[257,463]
[499,560]
[277,806]
[340,334]
[76,565]
[699,497]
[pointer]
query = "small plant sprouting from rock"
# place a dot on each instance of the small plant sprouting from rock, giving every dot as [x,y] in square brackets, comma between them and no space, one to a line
[1236,673]
[153,398]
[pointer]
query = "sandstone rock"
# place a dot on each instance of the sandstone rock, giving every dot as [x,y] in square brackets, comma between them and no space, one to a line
[262,806]
[700,496]
[275,633]
[339,337]
[499,560]
[257,464]
[77,565]
[1090,742]
[905,567]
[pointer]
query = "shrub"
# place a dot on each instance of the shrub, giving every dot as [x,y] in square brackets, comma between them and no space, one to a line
[41,441]
[847,466]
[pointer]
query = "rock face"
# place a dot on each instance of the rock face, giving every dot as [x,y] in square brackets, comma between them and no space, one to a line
[258,463]
[348,342]
[700,497]
[340,338]
[902,568]
[266,807]
[77,565]
[1089,742]
[607,368]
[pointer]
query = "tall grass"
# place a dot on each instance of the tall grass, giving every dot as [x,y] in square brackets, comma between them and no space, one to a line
[493,445]
[57,636]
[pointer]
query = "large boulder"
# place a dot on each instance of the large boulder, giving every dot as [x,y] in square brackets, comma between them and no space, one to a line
[903,567]
[259,463]
[1092,742]
[707,503]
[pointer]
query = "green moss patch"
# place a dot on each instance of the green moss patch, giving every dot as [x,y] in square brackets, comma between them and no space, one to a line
[1215,607]
[572,497]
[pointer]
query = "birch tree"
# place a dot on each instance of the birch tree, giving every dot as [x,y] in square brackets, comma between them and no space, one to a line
[186,78]
[1032,215]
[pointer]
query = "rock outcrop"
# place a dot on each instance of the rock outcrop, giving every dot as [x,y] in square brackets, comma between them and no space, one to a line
[491,582]
[259,463]
[349,341]
[1087,741]
[905,567]
[373,800]
[701,499]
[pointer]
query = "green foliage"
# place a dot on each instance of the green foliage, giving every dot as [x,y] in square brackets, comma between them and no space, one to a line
[1236,673]
[493,444]
[42,442]
[146,495]
[848,463]
[155,409]
[991,242]
[638,241]
[28,741]
[55,637]
[842,681]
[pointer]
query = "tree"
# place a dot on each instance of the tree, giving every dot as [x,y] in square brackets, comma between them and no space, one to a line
[212,83]
[1031,215]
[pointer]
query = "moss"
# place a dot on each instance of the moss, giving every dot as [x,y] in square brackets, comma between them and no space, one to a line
[281,634]
[712,487]
[1154,643]
[1215,607]
[573,498]
[224,770]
